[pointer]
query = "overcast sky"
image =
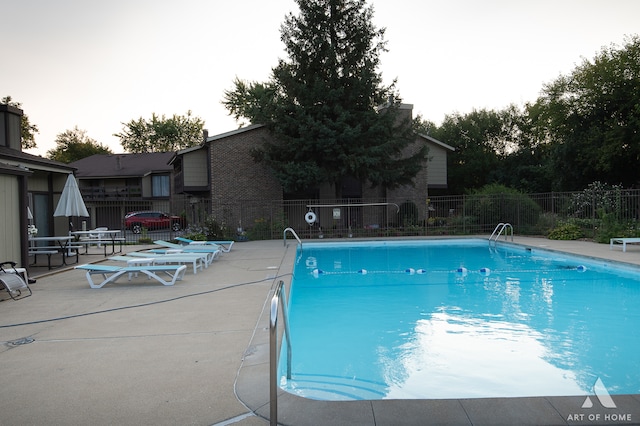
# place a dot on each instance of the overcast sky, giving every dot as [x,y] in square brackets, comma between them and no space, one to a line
[98,64]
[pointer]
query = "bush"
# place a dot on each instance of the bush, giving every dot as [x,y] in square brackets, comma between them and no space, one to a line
[598,198]
[546,222]
[267,228]
[209,231]
[612,228]
[566,231]
[214,230]
[493,204]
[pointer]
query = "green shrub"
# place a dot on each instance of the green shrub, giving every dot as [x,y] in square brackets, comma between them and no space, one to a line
[597,199]
[214,230]
[609,227]
[268,228]
[195,235]
[210,230]
[566,231]
[546,222]
[493,204]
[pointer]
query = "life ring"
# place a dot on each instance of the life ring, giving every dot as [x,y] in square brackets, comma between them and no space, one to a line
[310,217]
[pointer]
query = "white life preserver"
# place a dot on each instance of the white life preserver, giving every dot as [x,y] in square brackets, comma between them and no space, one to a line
[312,262]
[310,217]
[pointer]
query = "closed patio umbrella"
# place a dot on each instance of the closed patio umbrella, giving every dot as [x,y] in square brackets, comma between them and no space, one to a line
[71,202]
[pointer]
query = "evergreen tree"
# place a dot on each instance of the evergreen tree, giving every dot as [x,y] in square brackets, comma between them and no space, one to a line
[322,105]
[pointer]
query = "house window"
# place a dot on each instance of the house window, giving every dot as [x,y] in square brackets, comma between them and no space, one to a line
[160,186]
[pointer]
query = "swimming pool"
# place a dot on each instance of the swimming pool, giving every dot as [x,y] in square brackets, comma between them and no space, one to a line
[459,319]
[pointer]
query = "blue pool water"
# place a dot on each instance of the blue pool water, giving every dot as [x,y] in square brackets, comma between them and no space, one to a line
[459,319]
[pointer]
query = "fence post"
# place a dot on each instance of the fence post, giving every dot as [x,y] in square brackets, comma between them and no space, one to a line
[464,209]
[593,213]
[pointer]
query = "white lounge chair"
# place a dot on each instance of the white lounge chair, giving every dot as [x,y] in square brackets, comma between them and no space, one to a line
[210,255]
[196,260]
[623,241]
[225,246]
[133,261]
[112,273]
[188,248]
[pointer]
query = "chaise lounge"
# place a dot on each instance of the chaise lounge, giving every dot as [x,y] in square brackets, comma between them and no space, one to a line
[623,241]
[112,273]
[197,260]
[225,246]
[199,248]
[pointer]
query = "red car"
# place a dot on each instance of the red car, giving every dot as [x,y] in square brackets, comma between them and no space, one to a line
[135,221]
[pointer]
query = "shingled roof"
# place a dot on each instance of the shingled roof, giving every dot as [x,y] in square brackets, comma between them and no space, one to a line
[12,156]
[100,166]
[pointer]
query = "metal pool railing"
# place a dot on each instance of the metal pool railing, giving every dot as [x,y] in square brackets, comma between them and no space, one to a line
[502,227]
[279,297]
[284,236]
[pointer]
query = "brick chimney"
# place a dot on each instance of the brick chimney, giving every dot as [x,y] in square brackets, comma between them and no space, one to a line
[10,129]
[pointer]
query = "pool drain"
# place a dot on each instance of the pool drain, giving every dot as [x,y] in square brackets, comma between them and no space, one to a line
[23,341]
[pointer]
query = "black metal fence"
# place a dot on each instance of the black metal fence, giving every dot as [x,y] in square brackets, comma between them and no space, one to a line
[530,214]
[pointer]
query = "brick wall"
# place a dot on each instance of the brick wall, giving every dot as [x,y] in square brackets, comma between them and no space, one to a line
[234,174]
[236,177]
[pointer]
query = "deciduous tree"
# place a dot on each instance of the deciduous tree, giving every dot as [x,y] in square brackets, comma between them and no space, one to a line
[592,119]
[478,138]
[161,134]
[73,145]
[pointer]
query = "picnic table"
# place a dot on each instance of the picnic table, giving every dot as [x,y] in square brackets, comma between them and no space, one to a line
[99,237]
[51,246]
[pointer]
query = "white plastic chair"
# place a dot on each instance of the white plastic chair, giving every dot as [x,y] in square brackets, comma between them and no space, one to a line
[97,235]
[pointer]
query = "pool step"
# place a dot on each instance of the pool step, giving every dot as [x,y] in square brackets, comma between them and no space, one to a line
[334,388]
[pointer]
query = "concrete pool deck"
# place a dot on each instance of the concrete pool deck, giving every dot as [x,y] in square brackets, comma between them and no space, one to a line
[197,353]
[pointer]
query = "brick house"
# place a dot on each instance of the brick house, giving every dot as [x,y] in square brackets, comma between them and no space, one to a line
[114,184]
[221,172]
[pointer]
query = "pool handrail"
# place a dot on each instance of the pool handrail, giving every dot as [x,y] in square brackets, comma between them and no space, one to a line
[273,348]
[312,206]
[284,236]
[499,229]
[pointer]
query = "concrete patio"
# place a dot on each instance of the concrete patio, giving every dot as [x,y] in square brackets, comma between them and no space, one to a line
[197,353]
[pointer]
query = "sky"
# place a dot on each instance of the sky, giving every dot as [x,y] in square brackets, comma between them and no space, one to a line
[96,65]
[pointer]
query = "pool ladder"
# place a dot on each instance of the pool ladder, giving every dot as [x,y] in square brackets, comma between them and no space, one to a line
[499,229]
[284,236]
[273,348]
